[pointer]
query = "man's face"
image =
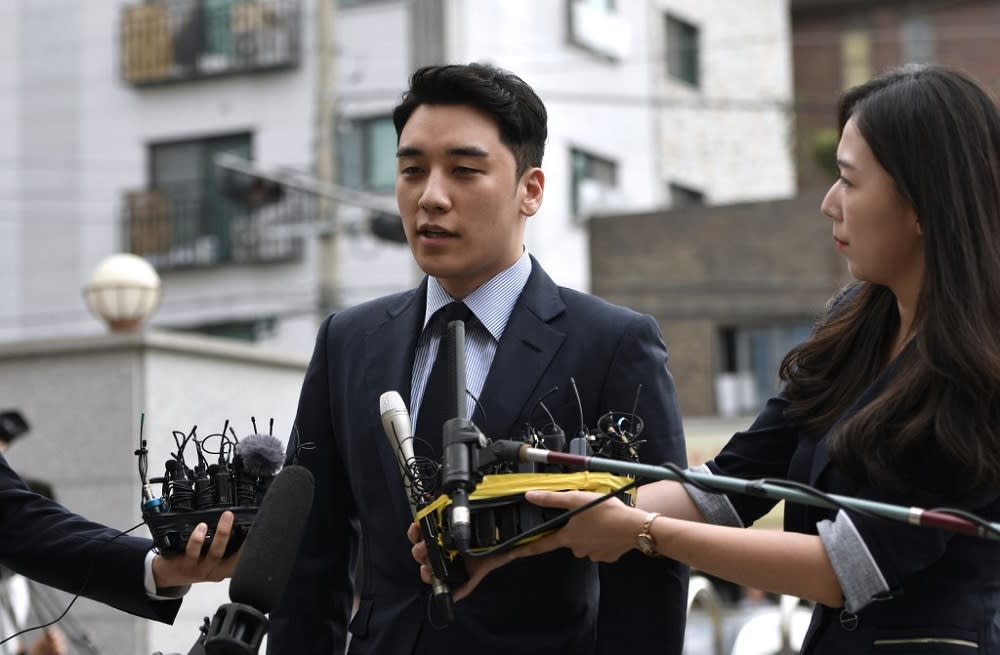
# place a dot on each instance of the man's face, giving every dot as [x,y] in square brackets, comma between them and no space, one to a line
[463,207]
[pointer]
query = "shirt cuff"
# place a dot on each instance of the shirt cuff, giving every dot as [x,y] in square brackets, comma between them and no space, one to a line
[715,507]
[860,578]
[166,593]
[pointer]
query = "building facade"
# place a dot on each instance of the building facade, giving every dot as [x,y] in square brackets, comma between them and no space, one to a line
[651,104]
[733,287]
[840,43]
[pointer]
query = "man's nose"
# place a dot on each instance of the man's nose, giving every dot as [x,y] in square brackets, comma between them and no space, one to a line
[435,196]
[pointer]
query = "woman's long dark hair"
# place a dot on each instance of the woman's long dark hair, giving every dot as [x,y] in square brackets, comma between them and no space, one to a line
[937,133]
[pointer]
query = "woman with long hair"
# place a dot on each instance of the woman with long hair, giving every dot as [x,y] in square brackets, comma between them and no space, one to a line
[895,397]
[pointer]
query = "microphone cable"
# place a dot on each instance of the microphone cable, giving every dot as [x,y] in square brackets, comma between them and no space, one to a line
[550,524]
[83,586]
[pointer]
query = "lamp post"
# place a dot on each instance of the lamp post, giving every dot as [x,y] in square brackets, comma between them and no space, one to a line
[123,291]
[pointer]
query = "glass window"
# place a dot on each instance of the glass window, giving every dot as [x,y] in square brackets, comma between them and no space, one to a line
[592,178]
[193,186]
[917,39]
[683,59]
[366,154]
[749,358]
[856,56]
[682,196]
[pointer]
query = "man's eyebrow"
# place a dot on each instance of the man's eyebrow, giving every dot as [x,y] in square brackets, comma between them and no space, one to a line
[409,151]
[458,151]
[843,163]
[468,151]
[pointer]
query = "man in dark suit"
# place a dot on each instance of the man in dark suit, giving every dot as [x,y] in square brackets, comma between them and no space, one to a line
[42,540]
[470,144]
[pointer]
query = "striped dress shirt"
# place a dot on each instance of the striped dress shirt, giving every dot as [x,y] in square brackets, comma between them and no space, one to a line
[492,304]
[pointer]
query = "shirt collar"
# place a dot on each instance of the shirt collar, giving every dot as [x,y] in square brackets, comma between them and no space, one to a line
[492,302]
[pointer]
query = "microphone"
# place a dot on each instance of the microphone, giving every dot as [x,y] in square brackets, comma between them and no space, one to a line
[262,454]
[398,429]
[461,442]
[263,569]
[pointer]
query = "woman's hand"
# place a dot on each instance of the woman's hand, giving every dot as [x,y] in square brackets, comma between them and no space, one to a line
[193,567]
[603,533]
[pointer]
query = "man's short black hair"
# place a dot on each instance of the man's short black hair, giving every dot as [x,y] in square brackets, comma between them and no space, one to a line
[519,112]
[12,425]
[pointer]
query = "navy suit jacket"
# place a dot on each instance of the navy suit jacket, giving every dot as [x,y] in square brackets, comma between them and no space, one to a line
[549,604]
[44,541]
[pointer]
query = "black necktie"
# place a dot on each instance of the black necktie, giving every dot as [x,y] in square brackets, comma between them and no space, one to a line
[435,407]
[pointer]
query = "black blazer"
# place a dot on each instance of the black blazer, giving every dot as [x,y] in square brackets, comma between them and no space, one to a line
[550,604]
[944,588]
[44,541]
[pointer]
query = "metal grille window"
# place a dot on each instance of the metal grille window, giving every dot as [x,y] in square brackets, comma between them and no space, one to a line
[195,213]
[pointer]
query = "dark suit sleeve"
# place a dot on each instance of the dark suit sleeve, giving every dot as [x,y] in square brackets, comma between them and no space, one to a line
[45,542]
[313,612]
[643,603]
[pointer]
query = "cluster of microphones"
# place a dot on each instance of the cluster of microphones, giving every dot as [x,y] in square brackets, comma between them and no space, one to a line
[465,526]
[205,477]
[271,505]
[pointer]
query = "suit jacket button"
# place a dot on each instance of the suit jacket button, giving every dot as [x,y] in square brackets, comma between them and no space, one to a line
[848,621]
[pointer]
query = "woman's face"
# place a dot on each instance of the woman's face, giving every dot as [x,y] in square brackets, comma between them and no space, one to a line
[874,227]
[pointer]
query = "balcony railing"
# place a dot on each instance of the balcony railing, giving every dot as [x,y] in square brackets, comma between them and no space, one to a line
[175,40]
[187,226]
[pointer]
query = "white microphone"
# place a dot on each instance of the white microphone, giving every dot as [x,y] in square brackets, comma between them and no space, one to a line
[397,426]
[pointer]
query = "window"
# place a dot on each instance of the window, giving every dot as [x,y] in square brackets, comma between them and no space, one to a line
[749,358]
[250,330]
[682,51]
[173,40]
[593,184]
[366,154]
[855,56]
[184,173]
[682,196]
[917,39]
[596,25]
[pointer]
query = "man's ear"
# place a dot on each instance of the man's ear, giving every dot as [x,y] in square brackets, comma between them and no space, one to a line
[531,188]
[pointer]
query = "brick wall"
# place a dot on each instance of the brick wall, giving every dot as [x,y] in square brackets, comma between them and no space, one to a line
[700,268]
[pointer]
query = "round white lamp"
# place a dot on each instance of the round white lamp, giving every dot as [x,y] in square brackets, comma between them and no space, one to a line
[123,291]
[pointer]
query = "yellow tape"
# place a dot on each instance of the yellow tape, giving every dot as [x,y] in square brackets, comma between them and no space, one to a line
[515,484]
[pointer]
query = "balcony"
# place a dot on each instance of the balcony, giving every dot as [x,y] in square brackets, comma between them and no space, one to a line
[188,226]
[177,40]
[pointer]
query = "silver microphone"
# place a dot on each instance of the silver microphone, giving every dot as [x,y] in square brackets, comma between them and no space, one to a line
[397,425]
[399,431]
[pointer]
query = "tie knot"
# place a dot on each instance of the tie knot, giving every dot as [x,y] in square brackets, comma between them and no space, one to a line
[453,311]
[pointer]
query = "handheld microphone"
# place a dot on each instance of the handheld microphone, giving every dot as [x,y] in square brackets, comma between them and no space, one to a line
[458,470]
[263,569]
[398,429]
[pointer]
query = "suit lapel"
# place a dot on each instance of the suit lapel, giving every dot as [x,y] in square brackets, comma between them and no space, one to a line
[525,350]
[388,364]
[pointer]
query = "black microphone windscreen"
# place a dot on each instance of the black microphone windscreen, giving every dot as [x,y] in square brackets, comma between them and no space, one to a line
[262,454]
[273,542]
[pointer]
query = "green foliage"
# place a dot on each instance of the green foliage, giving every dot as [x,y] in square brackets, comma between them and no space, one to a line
[824,150]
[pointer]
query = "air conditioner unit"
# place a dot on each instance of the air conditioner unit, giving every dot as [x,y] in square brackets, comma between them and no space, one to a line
[600,30]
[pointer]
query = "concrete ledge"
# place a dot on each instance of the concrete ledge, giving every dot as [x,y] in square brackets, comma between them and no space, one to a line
[209,347]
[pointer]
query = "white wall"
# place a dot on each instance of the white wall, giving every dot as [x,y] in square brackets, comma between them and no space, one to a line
[730,138]
[83,398]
